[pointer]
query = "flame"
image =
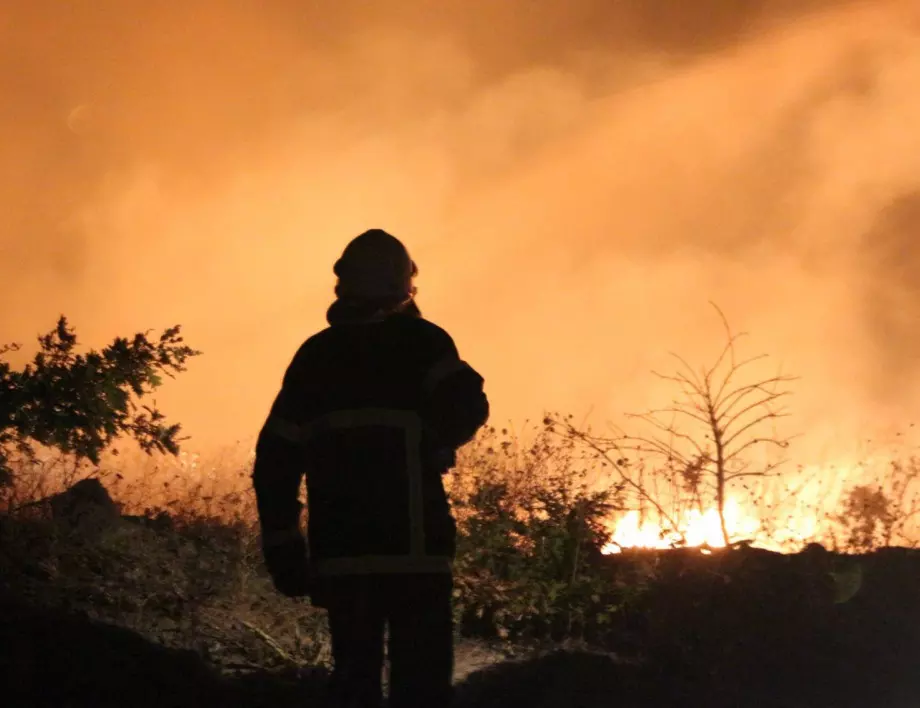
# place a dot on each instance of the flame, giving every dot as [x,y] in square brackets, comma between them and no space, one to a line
[693,527]
[783,516]
[700,528]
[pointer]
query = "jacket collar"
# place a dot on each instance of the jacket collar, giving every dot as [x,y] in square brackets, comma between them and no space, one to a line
[344,312]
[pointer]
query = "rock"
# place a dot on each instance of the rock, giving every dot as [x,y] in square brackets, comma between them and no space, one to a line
[86,504]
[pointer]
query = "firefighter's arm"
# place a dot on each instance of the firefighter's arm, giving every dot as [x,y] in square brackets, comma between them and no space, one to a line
[456,405]
[277,475]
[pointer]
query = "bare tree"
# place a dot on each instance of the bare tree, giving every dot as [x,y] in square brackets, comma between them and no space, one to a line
[705,436]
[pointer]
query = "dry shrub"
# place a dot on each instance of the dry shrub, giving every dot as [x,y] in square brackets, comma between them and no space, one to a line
[882,510]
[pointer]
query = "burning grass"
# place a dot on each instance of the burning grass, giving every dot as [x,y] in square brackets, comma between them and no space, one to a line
[851,508]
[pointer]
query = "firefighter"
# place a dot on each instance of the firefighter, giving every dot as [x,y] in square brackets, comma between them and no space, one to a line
[371,411]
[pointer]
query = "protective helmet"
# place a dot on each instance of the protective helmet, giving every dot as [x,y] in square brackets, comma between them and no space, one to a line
[375,267]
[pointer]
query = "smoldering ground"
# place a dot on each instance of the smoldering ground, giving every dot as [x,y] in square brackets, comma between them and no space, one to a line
[576,179]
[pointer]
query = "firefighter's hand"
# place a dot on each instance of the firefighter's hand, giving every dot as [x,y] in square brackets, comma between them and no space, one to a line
[288,565]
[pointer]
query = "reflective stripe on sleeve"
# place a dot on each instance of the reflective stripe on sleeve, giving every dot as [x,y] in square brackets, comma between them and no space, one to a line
[442,369]
[357,418]
[284,429]
[360,565]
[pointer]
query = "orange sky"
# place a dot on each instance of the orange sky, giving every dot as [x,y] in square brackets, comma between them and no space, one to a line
[575,179]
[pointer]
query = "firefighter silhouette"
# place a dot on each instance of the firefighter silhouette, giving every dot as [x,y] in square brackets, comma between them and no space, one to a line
[371,412]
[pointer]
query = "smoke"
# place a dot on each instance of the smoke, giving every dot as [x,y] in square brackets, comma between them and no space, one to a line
[576,180]
[891,304]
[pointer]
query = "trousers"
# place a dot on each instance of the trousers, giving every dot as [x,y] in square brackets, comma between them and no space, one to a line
[415,611]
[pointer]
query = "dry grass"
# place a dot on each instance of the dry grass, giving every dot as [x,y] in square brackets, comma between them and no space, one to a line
[182,566]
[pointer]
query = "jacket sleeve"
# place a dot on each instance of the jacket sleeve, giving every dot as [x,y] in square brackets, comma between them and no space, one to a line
[280,460]
[455,404]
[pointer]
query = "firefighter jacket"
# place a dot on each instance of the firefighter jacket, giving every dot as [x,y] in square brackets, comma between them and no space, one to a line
[371,411]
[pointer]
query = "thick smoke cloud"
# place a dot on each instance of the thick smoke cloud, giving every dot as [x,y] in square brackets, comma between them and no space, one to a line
[576,180]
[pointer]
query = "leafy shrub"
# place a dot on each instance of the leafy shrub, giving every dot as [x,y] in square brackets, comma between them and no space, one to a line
[530,535]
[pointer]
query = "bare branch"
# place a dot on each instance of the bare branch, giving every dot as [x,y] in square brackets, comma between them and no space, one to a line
[669,450]
[689,388]
[781,443]
[693,378]
[672,431]
[753,424]
[654,445]
[728,349]
[734,397]
[735,369]
[629,481]
[729,336]
[741,475]
[759,403]
[677,410]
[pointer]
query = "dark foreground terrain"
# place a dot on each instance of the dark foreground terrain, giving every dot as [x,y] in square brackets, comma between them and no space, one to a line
[102,610]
